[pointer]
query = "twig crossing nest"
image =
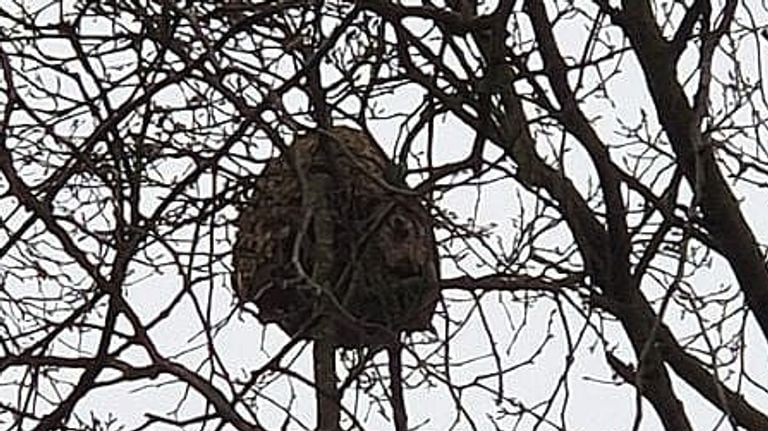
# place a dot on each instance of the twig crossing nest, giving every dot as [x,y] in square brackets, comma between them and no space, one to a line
[384,263]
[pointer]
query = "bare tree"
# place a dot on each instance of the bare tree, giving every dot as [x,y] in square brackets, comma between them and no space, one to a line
[595,170]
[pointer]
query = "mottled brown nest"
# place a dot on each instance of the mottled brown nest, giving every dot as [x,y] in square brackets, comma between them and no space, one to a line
[384,277]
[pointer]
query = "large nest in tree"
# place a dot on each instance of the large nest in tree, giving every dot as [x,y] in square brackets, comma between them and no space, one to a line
[383,268]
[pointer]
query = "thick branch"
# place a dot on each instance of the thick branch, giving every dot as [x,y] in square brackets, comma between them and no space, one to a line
[721,215]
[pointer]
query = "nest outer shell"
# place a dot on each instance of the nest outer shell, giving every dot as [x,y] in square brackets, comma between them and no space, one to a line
[385,269]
